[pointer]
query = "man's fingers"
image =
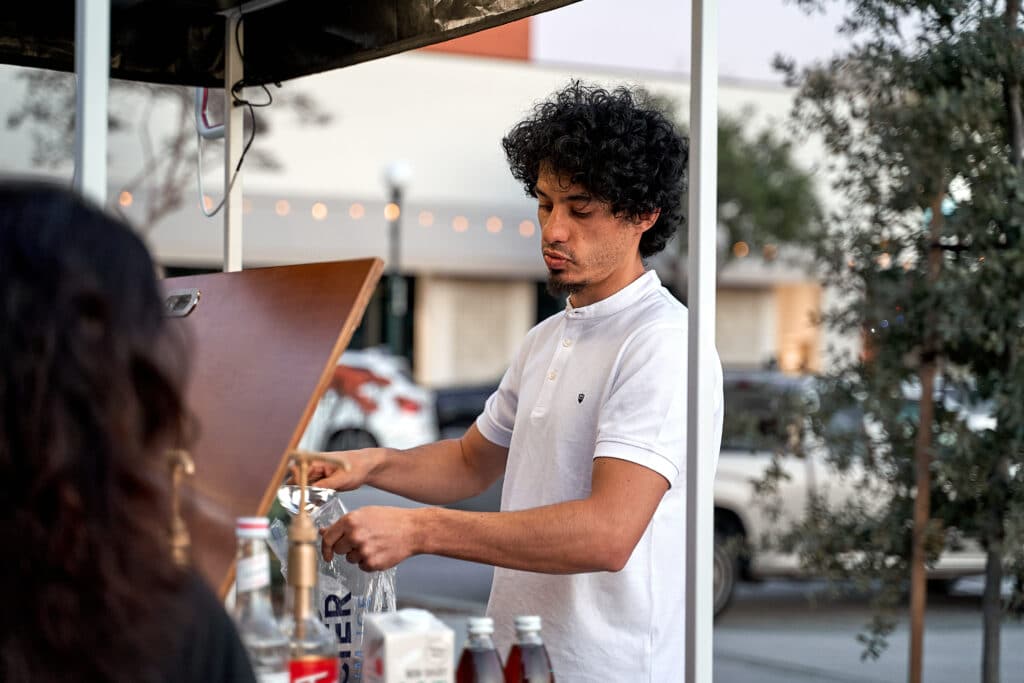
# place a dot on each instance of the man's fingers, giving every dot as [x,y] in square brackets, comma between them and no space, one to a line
[330,536]
[319,471]
[339,480]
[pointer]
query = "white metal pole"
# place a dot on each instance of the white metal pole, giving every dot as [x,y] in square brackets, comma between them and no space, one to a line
[233,144]
[700,460]
[92,69]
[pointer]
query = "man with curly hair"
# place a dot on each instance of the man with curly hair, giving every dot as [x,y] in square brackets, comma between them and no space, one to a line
[588,423]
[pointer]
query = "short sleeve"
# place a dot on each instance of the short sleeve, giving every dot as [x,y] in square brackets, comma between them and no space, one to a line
[643,417]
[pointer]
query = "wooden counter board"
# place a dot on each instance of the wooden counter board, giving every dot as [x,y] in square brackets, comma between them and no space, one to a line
[263,345]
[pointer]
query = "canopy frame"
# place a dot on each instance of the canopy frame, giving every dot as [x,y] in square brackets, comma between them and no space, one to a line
[92,68]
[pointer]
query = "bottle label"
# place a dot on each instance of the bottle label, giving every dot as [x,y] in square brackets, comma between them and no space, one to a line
[252,574]
[323,670]
[272,677]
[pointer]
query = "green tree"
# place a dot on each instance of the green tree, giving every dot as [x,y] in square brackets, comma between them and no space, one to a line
[765,199]
[922,117]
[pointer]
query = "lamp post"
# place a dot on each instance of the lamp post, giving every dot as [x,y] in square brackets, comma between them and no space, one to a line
[397,175]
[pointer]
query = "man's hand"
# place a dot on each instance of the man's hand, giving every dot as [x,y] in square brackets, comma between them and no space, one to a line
[375,538]
[362,463]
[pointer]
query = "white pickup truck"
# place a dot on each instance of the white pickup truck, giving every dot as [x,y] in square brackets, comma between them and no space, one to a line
[741,518]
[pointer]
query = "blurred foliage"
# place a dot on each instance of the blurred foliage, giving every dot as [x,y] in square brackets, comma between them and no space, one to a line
[161,117]
[764,198]
[924,107]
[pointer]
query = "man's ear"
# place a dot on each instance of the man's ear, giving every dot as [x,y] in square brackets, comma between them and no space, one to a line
[646,221]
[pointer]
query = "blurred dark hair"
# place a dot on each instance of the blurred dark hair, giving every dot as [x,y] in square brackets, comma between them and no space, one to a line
[616,144]
[90,398]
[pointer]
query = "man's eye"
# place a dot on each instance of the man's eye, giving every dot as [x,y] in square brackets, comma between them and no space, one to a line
[543,207]
[580,214]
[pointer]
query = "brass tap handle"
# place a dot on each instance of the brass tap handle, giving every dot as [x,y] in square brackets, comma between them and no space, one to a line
[303,537]
[181,465]
[302,529]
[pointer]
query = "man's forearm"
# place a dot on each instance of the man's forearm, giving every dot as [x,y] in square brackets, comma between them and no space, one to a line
[436,473]
[566,538]
[597,533]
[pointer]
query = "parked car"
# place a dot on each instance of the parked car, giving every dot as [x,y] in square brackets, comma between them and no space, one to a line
[371,401]
[459,406]
[759,406]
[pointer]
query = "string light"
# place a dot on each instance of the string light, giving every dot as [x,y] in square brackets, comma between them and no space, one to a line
[282,207]
[357,211]
[319,211]
[426,219]
[460,224]
[208,202]
[740,249]
[494,225]
[392,211]
[125,199]
[527,228]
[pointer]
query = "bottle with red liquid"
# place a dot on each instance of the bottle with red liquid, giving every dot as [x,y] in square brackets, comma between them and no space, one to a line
[528,660]
[480,661]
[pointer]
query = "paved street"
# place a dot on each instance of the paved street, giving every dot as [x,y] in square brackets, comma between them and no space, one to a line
[775,632]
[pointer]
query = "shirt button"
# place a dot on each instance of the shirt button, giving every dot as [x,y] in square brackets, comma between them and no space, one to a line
[567,343]
[552,375]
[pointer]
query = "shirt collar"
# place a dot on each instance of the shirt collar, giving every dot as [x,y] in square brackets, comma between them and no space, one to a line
[618,301]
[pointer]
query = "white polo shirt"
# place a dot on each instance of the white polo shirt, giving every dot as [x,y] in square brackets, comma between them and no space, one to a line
[605,380]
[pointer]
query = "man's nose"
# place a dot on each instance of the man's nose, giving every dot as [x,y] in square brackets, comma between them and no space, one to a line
[556,227]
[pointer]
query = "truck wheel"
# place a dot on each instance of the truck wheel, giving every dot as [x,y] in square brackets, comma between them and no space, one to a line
[726,573]
[350,440]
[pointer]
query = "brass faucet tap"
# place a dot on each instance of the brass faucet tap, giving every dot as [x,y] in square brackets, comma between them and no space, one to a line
[302,538]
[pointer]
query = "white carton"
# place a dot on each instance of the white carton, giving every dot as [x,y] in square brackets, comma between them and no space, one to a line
[407,646]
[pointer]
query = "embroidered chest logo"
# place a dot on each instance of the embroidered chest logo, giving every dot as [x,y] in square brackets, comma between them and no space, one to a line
[579,399]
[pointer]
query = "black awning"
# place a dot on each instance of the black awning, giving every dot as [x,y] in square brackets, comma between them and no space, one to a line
[182,41]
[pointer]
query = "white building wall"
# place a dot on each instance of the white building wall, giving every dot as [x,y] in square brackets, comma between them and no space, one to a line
[745,326]
[469,329]
[446,115]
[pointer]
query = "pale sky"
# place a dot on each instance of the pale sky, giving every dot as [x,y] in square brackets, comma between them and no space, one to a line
[654,35]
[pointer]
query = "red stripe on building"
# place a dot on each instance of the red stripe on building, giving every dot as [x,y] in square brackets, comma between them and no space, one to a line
[508,41]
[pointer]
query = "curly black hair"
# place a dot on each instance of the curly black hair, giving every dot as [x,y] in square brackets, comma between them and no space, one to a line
[616,144]
[91,395]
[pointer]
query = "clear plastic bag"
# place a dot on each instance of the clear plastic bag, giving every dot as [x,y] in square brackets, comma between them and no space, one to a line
[345,593]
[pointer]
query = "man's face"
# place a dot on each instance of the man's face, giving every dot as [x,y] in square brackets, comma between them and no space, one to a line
[590,253]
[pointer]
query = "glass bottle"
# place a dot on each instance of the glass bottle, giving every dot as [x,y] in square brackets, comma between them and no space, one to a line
[253,611]
[528,660]
[480,662]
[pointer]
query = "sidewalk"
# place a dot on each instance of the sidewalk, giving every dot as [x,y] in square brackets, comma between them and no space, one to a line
[776,633]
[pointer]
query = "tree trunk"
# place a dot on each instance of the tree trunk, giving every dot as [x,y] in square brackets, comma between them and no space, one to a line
[922,513]
[991,601]
[923,461]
